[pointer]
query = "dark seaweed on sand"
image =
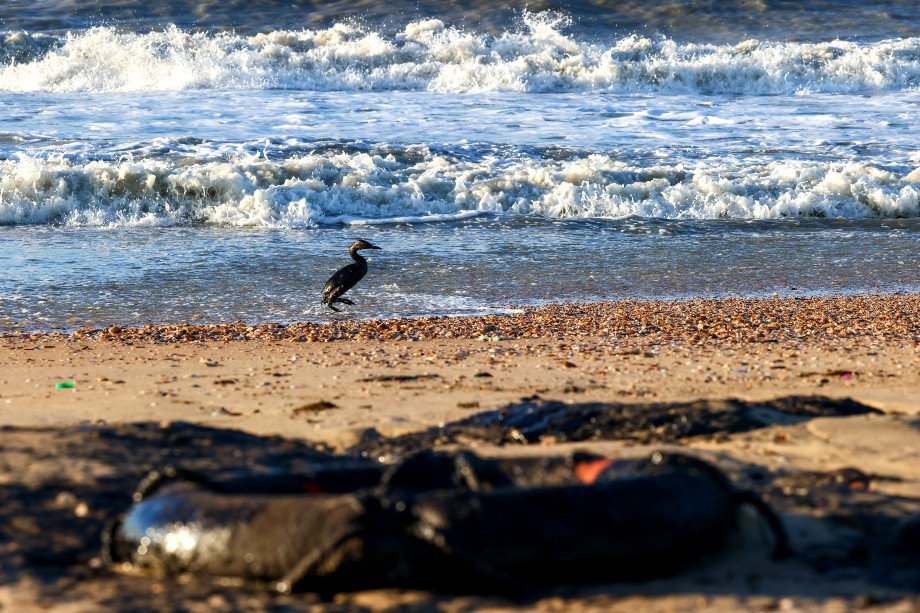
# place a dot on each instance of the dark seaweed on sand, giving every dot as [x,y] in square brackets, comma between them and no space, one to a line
[533,420]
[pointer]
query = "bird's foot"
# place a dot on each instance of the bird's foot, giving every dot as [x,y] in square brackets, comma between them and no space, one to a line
[333,308]
[346,301]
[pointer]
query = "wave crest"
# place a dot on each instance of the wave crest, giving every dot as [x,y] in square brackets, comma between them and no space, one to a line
[373,187]
[538,56]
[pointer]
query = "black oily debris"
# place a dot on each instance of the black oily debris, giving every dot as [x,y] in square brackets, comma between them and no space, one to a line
[534,420]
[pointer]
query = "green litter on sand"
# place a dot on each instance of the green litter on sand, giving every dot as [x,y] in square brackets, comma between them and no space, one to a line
[63,385]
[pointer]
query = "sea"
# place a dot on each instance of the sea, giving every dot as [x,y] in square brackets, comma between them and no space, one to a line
[204,162]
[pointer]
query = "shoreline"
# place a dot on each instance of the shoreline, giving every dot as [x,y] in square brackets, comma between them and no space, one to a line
[361,381]
[694,321]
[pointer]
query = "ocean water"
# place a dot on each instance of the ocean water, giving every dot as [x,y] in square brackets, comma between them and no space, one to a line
[197,161]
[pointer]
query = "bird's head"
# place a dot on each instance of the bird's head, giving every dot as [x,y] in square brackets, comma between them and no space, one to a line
[363,244]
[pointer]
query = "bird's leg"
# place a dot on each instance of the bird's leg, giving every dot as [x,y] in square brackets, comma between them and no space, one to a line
[333,308]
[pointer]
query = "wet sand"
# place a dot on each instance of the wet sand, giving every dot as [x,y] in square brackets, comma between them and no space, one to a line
[338,384]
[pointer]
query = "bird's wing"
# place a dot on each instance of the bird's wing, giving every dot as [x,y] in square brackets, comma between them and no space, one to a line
[343,280]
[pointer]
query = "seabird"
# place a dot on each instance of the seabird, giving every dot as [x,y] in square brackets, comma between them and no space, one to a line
[346,277]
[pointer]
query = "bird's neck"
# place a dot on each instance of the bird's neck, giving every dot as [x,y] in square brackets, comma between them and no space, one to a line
[357,257]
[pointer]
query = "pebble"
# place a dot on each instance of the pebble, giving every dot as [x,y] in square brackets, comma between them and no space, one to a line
[717,322]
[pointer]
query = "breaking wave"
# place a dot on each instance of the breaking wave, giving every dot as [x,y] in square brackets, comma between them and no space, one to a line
[538,56]
[350,186]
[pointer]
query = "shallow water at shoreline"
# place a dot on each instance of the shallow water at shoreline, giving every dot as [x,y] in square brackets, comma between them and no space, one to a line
[64,278]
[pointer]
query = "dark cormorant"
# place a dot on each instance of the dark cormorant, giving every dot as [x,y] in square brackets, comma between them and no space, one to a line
[345,278]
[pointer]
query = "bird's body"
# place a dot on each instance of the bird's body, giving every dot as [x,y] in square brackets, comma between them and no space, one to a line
[346,277]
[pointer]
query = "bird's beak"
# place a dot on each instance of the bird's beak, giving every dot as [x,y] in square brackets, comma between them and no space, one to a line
[374,247]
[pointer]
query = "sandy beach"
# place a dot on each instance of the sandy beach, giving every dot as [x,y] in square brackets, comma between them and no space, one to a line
[334,386]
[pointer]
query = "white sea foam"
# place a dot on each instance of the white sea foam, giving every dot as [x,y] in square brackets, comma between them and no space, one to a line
[414,304]
[539,56]
[359,187]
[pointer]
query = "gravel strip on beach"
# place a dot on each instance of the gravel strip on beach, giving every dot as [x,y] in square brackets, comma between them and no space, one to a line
[714,322]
